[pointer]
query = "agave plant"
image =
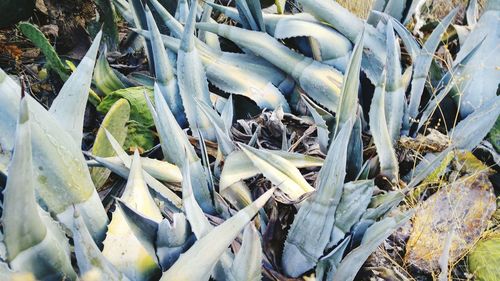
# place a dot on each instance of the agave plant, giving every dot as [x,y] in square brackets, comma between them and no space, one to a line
[312,185]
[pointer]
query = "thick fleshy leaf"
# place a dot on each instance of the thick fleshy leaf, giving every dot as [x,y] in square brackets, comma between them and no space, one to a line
[144,228]
[279,171]
[194,214]
[482,76]
[355,199]
[193,266]
[247,263]
[30,233]
[320,82]
[227,114]
[480,122]
[313,225]
[200,225]
[105,78]
[389,165]
[139,15]
[250,13]
[472,13]
[224,141]
[348,104]
[373,237]
[394,99]
[69,106]
[165,240]
[164,71]
[133,260]
[114,122]
[453,80]
[327,266]
[40,41]
[321,127]
[88,254]
[173,239]
[178,150]
[124,9]
[193,81]
[485,257]
[182,11]
[122,168]
[238,166]
[240,74]
[63,180]
[334,47]
[337,16]
[210,39]
[422,64]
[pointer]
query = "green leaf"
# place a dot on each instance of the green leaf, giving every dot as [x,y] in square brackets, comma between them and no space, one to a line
[139,136]
[485,258]
[110,19]
[105,78]
[138,107]
[114,122]
[494,135]
[41,42]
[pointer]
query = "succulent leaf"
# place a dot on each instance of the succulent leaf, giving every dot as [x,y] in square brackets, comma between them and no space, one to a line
[213,244]
[34,242]
[135,261]
[389,165]
[114,121]
[69,106]
[313,225]
[279,171]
